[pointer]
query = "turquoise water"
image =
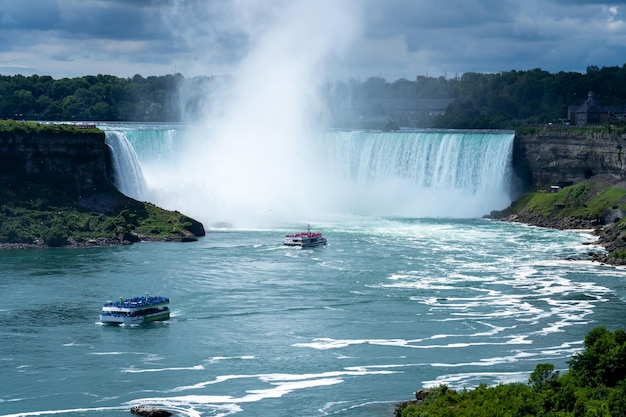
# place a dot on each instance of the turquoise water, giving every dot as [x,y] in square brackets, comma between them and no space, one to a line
[403,297]
[258,329]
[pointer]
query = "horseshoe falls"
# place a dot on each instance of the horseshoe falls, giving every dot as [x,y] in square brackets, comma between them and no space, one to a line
[412,174]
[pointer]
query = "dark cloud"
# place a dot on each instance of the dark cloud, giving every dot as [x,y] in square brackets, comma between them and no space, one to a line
[39,15]
[454,36]
[399,38]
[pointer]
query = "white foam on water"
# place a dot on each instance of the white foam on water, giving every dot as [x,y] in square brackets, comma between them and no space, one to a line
[328,343]
[217,380]
[472,379]
[63,411]
[139,371]
[217,359]
[279,386]
[496,360]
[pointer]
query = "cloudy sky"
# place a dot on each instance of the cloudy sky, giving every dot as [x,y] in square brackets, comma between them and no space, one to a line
[354,38]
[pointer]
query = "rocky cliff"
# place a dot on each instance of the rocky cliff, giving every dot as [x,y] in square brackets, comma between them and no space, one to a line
[590,169]
[73,161]
[567,157]
[55,191]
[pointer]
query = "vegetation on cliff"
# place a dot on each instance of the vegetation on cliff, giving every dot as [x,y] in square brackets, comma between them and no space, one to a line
[547,129]
[41,217]
[595,385]
[46,207]
[14,128]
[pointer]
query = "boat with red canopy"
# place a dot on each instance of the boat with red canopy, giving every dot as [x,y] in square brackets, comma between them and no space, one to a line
[307,239]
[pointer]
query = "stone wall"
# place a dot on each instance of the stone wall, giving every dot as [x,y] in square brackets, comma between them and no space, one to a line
[562,158]
[76,163]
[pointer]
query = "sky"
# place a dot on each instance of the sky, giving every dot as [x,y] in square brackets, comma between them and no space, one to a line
[392,39]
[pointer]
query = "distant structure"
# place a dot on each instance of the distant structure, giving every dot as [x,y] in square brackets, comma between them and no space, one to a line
[591,112]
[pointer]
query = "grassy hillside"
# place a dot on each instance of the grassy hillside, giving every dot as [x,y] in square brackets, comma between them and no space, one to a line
[588,199]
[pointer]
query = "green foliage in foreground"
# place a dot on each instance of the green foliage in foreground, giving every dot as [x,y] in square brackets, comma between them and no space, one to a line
[594,386]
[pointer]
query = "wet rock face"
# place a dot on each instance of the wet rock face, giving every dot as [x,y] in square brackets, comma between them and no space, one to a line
[567,157]
[74,163]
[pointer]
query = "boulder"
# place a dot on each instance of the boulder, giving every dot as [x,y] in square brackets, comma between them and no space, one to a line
[146,411]
[422,394]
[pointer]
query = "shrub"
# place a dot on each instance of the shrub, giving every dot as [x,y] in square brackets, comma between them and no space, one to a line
[594,386]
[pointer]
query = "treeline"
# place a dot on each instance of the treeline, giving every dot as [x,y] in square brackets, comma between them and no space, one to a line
[503,100]
[102,97]
[594,386]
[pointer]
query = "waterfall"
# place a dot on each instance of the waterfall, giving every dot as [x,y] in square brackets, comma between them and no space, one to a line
[460,174]
[422,173]
[474,161]
[127,173]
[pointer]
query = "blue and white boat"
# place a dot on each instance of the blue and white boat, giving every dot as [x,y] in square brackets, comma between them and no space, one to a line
[136,310]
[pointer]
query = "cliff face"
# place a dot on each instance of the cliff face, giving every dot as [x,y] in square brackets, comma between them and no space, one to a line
[555,158]
[75,164]
[55,191]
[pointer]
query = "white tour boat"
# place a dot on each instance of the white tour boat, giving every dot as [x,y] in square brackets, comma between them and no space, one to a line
[136,310]
[306,239]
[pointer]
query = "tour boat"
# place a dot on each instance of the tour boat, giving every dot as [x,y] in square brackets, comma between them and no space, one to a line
[136,310]
[306,239]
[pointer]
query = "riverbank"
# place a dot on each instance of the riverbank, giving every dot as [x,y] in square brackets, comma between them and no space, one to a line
[597,204]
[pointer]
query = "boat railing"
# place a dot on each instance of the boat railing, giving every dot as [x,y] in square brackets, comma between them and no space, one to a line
[137,301]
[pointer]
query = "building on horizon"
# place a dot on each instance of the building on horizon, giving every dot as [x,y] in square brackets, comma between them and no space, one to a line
[591,113]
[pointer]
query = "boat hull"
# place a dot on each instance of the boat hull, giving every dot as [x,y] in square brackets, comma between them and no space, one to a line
[123,319]
[305,244]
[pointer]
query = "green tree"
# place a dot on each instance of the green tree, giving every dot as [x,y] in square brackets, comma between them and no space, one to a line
[603,361]
[542,375]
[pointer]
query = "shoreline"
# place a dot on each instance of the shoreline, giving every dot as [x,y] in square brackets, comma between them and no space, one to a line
[606,235]
[93,243]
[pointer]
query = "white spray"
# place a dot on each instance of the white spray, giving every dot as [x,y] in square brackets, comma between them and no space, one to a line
[248,161]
